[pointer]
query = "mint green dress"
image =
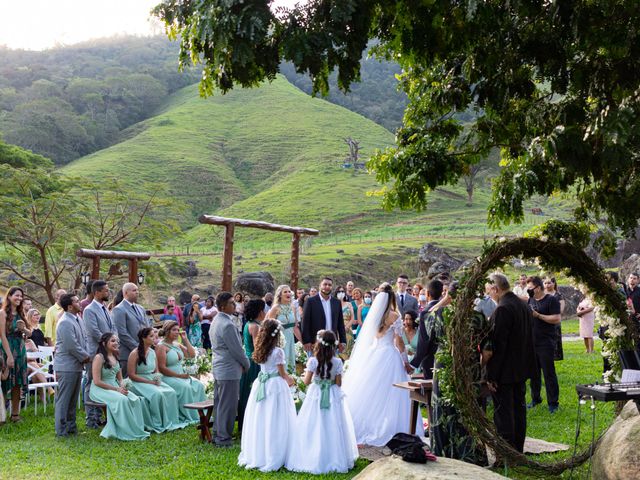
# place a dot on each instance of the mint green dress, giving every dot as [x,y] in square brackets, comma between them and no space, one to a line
[125,417]
[188,390]
[288,320]
[162,413]
[248,377]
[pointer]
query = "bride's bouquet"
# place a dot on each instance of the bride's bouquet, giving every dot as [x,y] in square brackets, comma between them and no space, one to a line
[298,390]
[156,377]
[126,383]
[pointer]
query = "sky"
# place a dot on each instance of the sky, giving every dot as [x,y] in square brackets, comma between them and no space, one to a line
[42,24]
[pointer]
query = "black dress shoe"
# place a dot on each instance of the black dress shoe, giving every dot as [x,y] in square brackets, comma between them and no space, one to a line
[532,404]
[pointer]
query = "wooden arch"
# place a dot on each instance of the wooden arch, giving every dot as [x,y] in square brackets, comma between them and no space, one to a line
[132,257]
[230,224]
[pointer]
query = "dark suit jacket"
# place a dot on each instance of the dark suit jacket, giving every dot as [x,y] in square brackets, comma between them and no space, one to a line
[410,303]
[514,358]
[313,319]
[427,347]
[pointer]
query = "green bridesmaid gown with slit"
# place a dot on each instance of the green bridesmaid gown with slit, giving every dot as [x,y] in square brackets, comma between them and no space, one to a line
[125,417]
[189,390]
[162,412]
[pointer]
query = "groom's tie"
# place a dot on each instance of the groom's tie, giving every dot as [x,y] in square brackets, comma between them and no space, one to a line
[402,300]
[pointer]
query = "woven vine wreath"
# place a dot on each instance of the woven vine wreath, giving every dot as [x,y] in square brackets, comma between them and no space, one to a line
[457,375]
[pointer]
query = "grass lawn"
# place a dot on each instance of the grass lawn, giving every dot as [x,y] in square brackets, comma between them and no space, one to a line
[30,449]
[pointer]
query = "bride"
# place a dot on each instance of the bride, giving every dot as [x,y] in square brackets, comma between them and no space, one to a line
[379,409]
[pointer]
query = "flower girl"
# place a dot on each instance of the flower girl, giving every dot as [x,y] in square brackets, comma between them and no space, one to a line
[324,439]
[270,415]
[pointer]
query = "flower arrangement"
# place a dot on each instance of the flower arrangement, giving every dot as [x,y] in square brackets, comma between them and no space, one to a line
[126,383]
[209,388]
[298,390]
[198,365]
[301,354]
[156,377]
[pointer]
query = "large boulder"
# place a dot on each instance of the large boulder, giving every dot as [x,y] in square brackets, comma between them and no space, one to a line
[255,284]
[183,269]
[630,265]
[572,297]
[444,469]
[431,255]
[625,248]
[617,455]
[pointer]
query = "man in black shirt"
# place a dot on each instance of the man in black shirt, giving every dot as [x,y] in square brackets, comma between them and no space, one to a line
[546,315]
[633,295]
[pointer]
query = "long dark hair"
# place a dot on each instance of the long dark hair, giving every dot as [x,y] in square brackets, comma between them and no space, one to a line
[324,351]
[142,334]
[102,348]
[6,304]
[253,308]
[266,340]
[391,304]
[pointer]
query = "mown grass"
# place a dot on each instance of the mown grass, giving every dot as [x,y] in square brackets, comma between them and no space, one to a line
[30,449]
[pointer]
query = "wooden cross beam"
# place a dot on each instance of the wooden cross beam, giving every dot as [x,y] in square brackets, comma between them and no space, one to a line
[131,257]
[231,223]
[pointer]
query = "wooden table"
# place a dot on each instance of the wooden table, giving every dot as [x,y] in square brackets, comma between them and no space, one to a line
[419,392]
[205,410]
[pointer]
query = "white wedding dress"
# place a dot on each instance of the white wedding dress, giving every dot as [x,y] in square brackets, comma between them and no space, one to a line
[378,409]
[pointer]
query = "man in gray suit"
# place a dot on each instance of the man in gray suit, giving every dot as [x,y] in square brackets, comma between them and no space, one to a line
[129,318]
[71,356]
[97,322]
[229,362]
[404,300]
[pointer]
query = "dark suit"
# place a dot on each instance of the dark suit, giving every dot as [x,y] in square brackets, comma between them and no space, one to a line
[426,351]
[512,363]
[410,303]
[313,319]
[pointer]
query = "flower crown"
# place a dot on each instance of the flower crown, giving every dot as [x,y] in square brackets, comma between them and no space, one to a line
[276,330]
[324,342]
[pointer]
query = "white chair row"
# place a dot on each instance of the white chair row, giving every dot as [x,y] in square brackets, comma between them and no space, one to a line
[44,358]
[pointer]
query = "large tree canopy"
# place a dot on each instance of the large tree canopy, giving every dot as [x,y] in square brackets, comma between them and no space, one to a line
[553,84]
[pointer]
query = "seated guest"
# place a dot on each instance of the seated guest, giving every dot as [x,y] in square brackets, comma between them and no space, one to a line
[162,412]
[170,354]
[36,339]
[125,415]
[33,323]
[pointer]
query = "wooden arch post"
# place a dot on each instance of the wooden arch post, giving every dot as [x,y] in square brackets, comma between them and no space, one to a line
[132,257]
[230,223]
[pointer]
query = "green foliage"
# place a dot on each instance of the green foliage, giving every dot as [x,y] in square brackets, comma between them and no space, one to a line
[17,157]
[555,85]
[66,102]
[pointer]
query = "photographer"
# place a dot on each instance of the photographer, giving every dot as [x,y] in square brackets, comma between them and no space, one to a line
[546,315]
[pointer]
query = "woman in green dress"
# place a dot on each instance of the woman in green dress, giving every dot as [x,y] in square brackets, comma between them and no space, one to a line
[170,354]
[162,412]
[254,313]
[193,321]
[12,329]
[125,417]
[363,311]
[283,311]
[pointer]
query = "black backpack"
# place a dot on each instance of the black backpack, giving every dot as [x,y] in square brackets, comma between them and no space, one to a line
[410,448]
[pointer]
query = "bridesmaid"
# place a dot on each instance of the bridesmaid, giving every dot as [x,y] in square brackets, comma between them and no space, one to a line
[284,312]
[409,334]
[254,314]
[170,355]
[161,413]
[12,330]
[125,417]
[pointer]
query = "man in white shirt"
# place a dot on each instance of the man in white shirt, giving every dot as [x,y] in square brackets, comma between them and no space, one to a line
[520,288]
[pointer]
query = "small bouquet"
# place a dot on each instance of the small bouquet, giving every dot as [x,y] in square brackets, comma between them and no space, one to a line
[209,388]
[301,354]
[126,383]
[203,364]
[156,377]
[298,390]
[189,366]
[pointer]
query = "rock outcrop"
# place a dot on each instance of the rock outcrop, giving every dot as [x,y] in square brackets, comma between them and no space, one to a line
[434,261]
[255,284]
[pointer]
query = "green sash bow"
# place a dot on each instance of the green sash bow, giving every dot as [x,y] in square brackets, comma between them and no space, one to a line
[263,378]
[325,390]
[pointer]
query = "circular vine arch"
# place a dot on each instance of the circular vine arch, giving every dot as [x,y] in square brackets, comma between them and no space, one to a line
[554,255]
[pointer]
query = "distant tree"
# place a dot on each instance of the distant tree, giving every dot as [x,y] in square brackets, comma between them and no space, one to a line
[471,178]
[354,150]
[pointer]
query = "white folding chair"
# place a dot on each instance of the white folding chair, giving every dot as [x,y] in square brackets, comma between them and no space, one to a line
[44,357]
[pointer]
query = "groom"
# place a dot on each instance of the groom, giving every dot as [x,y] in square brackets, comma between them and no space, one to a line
[322,312]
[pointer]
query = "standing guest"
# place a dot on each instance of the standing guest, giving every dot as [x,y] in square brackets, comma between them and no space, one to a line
[12,329]
[323,312]
[97,321]
[51,318]
[162,412]
[301,303]
[614,279]
[520,288]
[229,362]
[511,363]
[422,300]
[417,288]
[129,318]
[254,313]
[195,298]
[633,295]
[271,414]
[487,305]
[299,294]
[169,354]
[404,300]
[125,416]
[587,316]
[71,357]
[363,311]
[551,287]
[84,303]
[546,314]
[27,305]
[283,311]
[172,312]
[348,316]
[194,331]
[357,300]
[410,334]
[268,301]
[349,291]
[33,324]
[239,299]
[313,291]
[209,311]
[324,439]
